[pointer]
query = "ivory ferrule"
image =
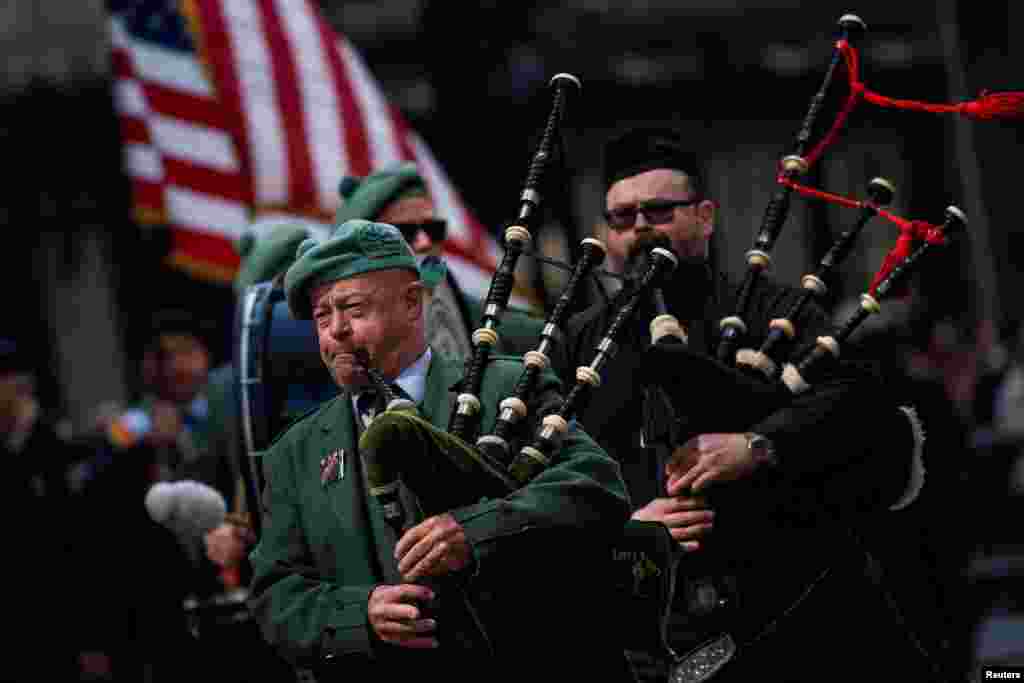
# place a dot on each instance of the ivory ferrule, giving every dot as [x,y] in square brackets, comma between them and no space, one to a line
[794,163]
[792,378]
[733,322]
[485,335]
[757,360]
[852,19]
[815,284]
[957,213]
[870,303]
[569,78]
[513,405]
[536,359]
[785,325]
[588,375]
[556,422]
[666,325]
[549,434]
[829,344]
[759,259]
[517,233]
[468,404]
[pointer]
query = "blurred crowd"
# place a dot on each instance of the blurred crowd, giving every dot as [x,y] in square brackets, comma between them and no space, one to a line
[140,526]
[139,534]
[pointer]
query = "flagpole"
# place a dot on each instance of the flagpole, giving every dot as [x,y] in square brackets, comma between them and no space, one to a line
[983,265]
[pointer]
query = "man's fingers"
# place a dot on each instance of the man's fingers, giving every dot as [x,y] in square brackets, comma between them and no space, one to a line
[659,508]
[704,480]
[395,612]
[682,503]
[688,518]
[409,539]
[405,630]
[402,593]
[396,618]
[690,532]
[431,565]
[416,554]
[683,483]
[672,488]
[685,456]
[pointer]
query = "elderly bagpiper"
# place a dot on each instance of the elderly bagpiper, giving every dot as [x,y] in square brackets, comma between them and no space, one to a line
[506,581]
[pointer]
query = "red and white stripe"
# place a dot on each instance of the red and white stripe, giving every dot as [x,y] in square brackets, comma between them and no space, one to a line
[179,153]
[276,112]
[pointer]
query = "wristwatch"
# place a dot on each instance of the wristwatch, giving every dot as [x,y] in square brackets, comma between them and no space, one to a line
[762,449]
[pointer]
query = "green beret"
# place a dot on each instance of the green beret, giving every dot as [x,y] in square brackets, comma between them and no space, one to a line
[367,197]
[264,257]
[356,247]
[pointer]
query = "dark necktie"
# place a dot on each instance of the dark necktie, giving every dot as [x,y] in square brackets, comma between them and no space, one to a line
[369,402]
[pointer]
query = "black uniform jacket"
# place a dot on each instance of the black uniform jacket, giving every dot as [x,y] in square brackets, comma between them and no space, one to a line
[780,530]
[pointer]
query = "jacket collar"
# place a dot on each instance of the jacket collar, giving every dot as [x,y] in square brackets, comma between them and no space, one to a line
[442,377]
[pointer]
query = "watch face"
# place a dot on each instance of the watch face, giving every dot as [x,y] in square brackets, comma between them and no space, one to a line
[762,450]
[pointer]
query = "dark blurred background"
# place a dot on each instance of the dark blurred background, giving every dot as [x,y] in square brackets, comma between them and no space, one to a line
[80,277]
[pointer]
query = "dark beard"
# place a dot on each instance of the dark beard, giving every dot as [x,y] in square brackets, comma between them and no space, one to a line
[639,253]
[685,289]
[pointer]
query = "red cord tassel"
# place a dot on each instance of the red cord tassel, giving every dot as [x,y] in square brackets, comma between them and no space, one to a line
[986,107]
[995,105]
[892,259]
[911,232]
[1001,105]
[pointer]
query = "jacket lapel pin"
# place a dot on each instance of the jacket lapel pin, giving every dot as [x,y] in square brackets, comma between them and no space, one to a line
[332,467]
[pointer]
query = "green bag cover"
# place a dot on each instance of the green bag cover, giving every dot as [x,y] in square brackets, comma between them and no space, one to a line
[440,468]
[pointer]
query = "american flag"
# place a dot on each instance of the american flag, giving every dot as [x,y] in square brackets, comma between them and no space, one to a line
[235,113]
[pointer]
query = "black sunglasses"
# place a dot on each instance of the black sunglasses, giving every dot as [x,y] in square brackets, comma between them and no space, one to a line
[655,211]
[436,229]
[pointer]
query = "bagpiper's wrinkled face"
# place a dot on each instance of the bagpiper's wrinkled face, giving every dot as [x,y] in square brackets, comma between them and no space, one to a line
[380,312]
[657,200]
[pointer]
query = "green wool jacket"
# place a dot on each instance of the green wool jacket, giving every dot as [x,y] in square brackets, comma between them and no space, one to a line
[325,545]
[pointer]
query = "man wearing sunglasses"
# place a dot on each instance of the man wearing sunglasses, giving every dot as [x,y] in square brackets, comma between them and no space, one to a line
[730,500]
[398,195]
[662,200]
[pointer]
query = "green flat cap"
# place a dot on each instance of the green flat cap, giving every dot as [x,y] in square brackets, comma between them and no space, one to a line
[264,257]
[367,197]
[356,247]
